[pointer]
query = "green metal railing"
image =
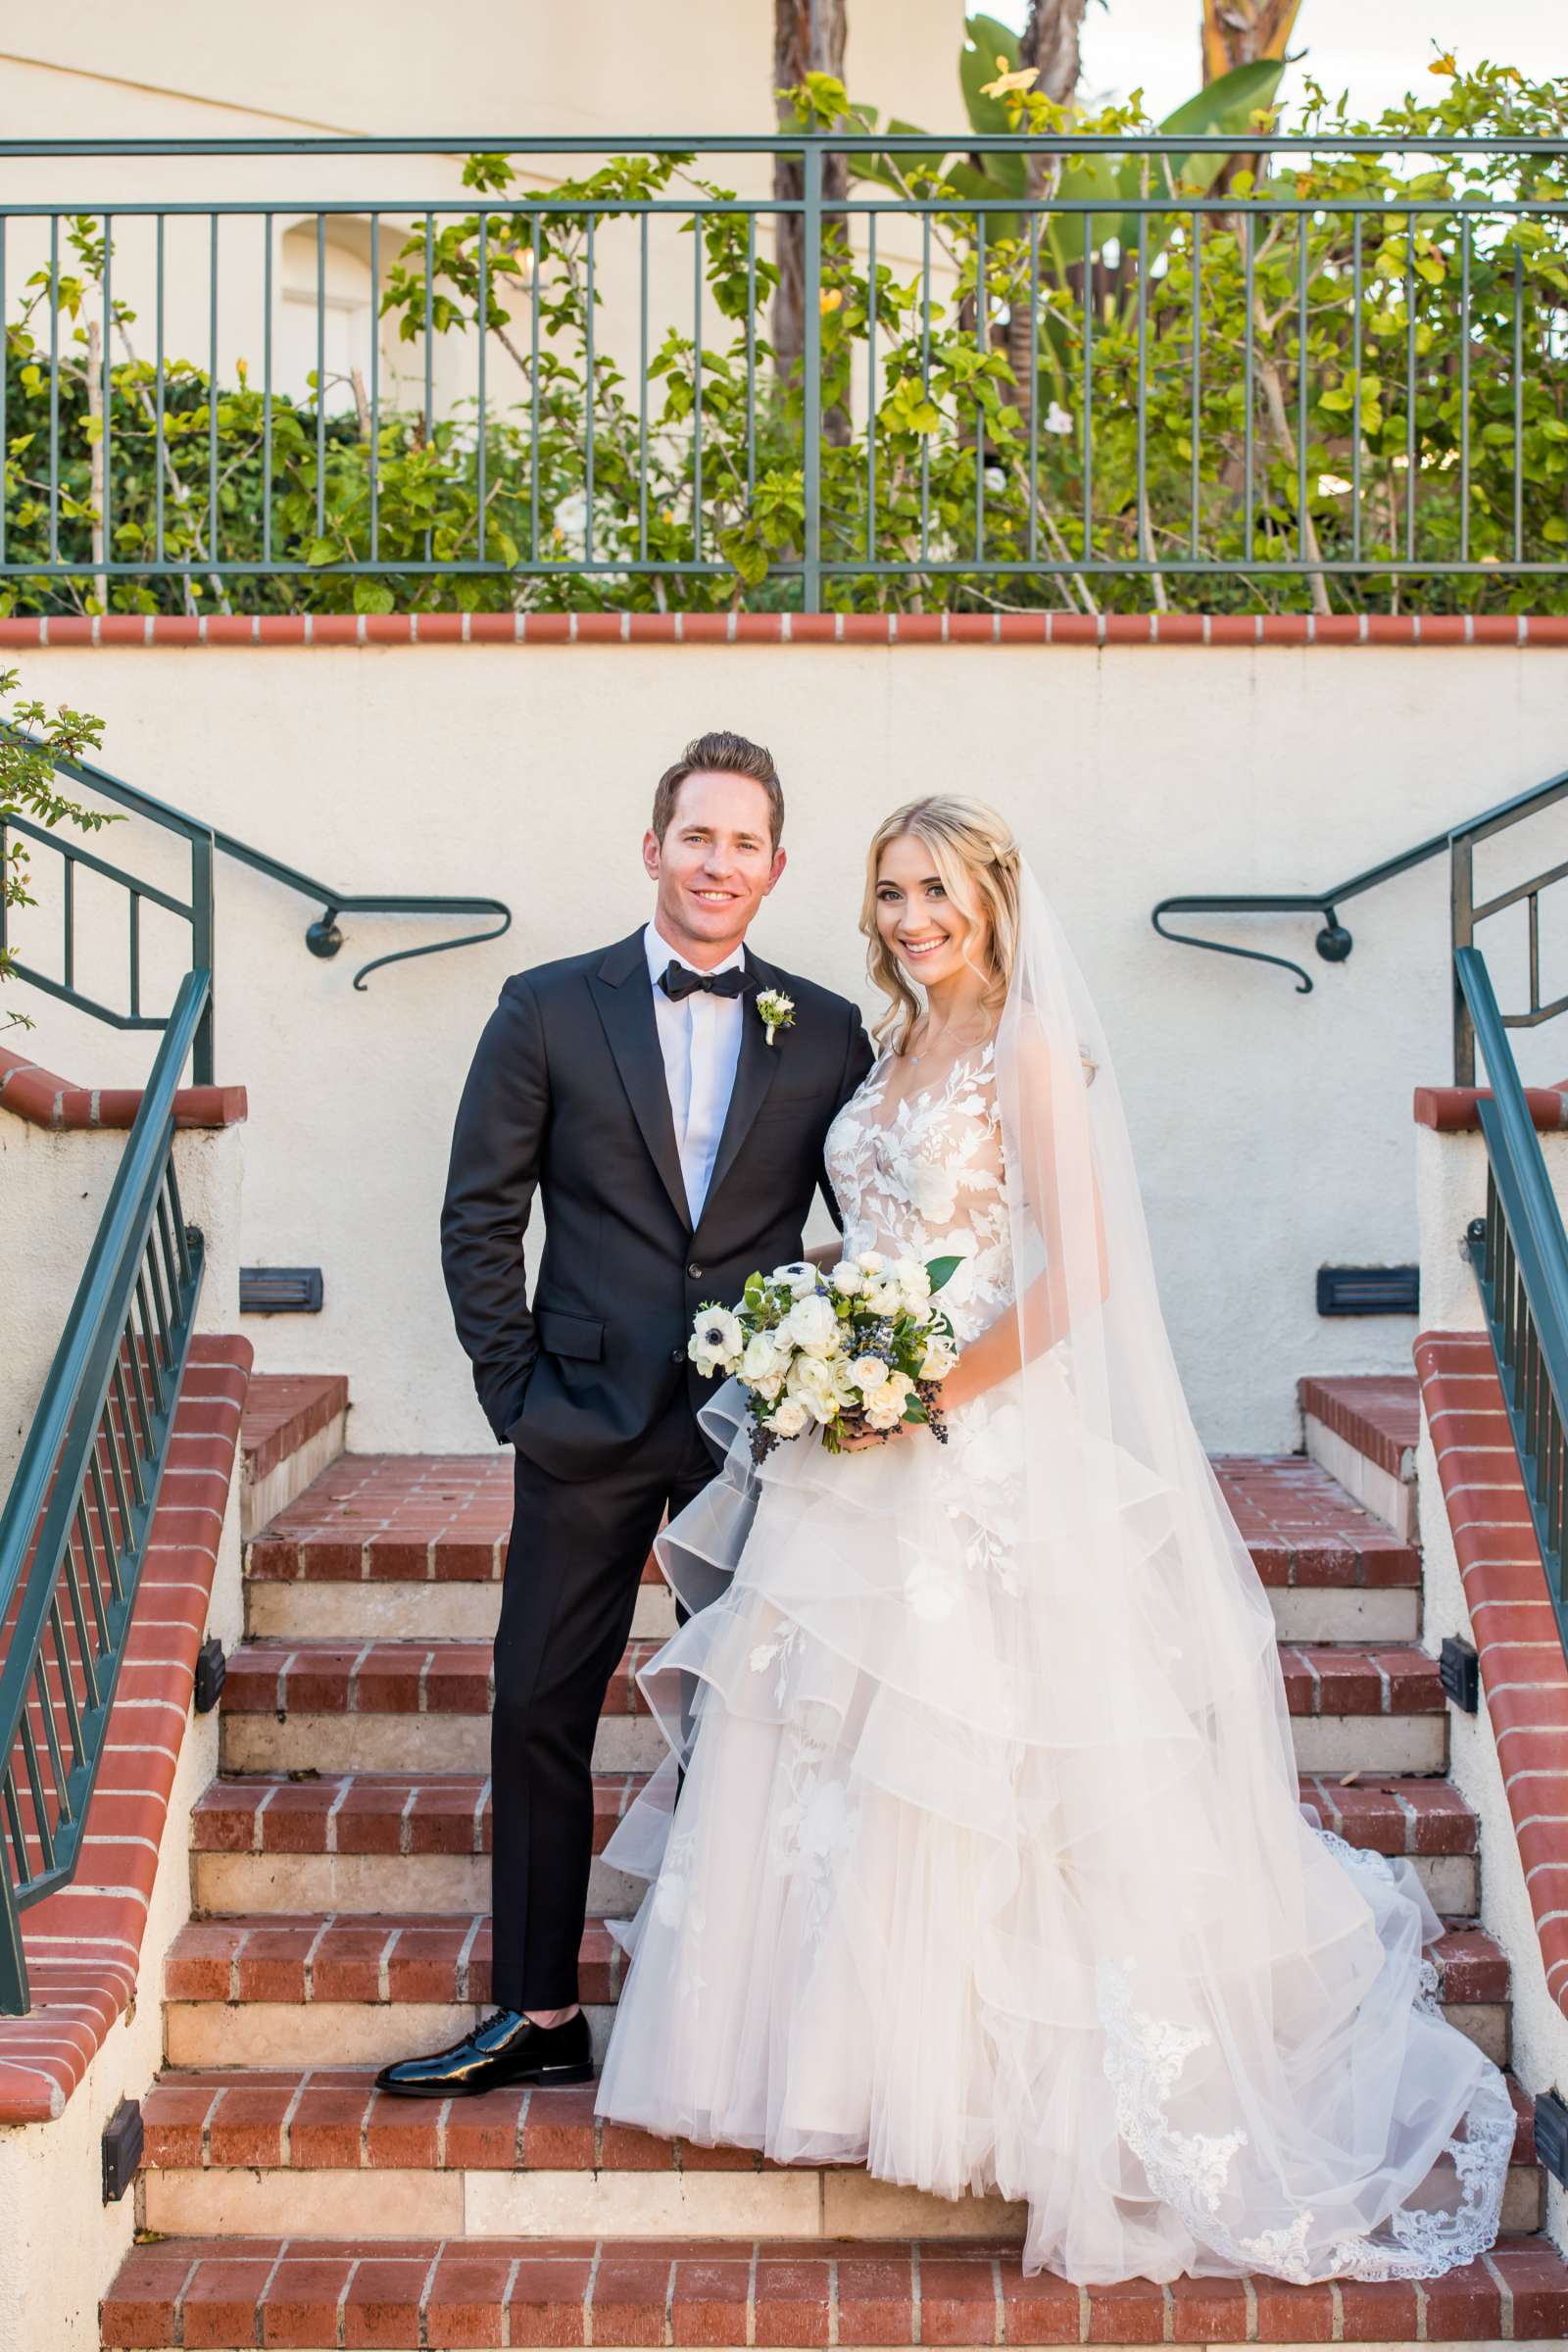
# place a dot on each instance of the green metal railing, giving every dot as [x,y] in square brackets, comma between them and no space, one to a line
[1333,943]
[322,936]
[1314,386]
[1520,1253]
[77,1523]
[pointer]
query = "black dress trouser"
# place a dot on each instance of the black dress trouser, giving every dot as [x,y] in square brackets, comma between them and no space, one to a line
[573,1565]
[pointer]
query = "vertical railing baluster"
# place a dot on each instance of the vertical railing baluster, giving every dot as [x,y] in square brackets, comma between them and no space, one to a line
[1249,266]
[1304,250]
[982,337]
[68,913]
[483,328]
[811,370]
[160,447]
[133,1458]
[320,369]
[1357,268]
[1089,388]
[1034,386]
[1145,550]
[1464,387]
[536,227]
[106,518]
[375,387]
[267,395]
[870,389]
[1410,456]
[429,356]
[1461,931]
[697,388]
[926,389]
[54,388]
[89,1652]
[592,395]
[68,1688]
[213,550]
[1195,423]
[1518,394]
[134,938]
[751,349]
[642,389]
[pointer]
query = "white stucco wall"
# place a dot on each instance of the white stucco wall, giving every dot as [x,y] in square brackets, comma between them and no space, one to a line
[1273,1130]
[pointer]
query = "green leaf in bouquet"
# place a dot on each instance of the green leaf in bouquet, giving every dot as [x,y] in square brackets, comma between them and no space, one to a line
[942,1270]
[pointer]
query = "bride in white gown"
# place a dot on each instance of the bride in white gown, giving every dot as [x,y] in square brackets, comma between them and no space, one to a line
[989,1869]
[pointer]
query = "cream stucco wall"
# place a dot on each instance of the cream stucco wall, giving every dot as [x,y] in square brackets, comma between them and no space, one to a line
[1273,1130]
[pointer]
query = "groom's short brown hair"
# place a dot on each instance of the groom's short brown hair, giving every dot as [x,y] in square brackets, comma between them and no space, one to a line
[725,754]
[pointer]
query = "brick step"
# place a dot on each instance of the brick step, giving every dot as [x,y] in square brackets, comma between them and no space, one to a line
[358,1987]
[1362,1428]
[229,2150]
[396,1547]
[388,1841]
[292,1428]
[338,1707]
[318,2294]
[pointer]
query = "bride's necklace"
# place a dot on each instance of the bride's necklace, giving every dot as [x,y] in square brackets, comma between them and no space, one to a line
[926,1051]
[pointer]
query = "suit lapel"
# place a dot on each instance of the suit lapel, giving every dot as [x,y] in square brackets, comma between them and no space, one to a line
[754,1075]
[624,996]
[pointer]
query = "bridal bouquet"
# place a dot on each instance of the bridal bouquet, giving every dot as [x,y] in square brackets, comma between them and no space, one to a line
[857,1348]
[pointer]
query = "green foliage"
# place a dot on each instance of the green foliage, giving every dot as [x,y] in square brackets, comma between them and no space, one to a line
[32,742]
[1366,356]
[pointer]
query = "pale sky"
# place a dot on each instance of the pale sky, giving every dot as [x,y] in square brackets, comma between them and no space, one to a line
[1377,49]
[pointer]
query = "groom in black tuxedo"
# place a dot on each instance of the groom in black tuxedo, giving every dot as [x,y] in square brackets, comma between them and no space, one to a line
[674,1150]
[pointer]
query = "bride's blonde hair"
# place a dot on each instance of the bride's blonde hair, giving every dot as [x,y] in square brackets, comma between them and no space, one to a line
[976,860]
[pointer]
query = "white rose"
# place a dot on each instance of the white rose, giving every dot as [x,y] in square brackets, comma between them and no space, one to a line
[810,1383]
[801,1277]
[883,1296]
[846,1387]
[869,1261]
[762,1357]
[882,1417]
[812,1325]
[891,1397]
[847,1278]
[912,1279]
[717,1341]
[787,1420]
[769,1388]
[868,1372]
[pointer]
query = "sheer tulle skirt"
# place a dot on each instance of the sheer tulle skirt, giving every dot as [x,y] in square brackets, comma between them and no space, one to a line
[987,1881]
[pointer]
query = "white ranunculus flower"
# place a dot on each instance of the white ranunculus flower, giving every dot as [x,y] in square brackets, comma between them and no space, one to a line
[912,1277]
[938,1359]
[868,1372]
[847,1278]
[883,1296]
[787,1420]
[846,1387]
[717,1341]
[884,1416]
[891,1397]
[769,1388]
[871,1262]
[812,1325]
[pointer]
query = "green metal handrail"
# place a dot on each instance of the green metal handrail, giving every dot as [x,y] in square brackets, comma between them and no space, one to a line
[1334,942]
[76,1525]
[1519,1250]
[323,937]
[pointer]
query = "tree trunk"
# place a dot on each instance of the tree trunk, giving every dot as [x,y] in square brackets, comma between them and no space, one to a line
[808,37]
[1050,42]
[1236,32]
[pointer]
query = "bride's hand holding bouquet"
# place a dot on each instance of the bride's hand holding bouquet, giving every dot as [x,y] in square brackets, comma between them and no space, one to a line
[858,1351]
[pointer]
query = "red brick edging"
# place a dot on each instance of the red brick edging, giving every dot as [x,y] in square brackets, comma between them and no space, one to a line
[36,1095]
[1523,1669]
[83,1942]
[790,628]
[1451,1109]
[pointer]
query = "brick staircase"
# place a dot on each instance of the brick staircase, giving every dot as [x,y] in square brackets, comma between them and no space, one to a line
[339,1879]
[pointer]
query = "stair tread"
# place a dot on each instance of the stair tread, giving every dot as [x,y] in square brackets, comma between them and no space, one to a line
[1378,1413]
[439,1518]
[328,2118]
[239,2291]
[433,1677]
[428,1956]
[449,1813]
[283,1411]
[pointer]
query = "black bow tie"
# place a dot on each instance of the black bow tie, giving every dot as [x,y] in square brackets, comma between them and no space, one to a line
[678,980]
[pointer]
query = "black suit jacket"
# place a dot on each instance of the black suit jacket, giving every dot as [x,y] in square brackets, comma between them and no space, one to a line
[567,1097]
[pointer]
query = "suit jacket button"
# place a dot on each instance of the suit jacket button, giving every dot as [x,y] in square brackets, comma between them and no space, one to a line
[678,1355]
[695,1273]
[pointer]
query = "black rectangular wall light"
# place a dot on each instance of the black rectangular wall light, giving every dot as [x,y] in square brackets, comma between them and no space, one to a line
[1459,1672]
[280,1290]
[1368,1290]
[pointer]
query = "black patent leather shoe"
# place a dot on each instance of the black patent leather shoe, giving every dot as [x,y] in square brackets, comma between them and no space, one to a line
[507,2047]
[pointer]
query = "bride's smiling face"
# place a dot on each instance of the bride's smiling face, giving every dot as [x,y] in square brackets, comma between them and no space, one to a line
[918,923]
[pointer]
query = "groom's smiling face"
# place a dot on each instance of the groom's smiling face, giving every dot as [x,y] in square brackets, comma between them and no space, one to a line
[715,865]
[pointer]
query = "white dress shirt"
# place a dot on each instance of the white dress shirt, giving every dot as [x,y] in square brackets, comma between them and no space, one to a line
[700,1039]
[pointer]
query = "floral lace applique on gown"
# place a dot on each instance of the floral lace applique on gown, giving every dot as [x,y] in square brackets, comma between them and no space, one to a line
[885,1923]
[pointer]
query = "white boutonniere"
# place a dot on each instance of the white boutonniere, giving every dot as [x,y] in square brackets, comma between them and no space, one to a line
[777,1012]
